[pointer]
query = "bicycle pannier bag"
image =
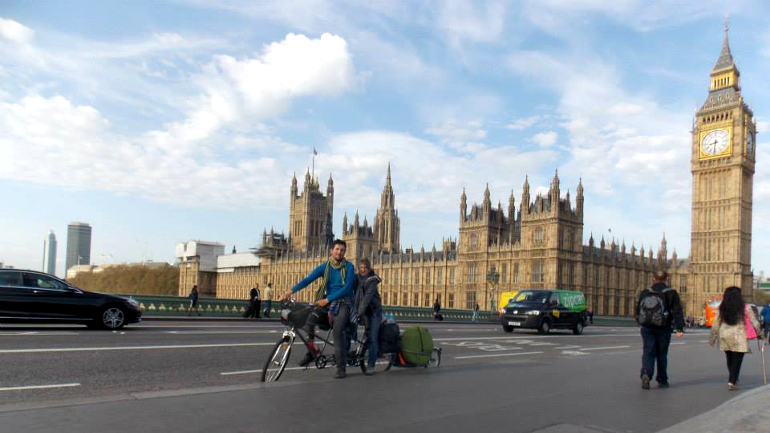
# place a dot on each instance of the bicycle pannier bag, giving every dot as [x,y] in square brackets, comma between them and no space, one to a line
[388,336]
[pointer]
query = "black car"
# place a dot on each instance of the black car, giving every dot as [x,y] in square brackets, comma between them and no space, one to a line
[31,296]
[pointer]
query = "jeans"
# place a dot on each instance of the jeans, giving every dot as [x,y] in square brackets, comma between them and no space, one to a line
[341,338]
[734,361]
[475,315]
[656,342]
[269,306]
[372,342]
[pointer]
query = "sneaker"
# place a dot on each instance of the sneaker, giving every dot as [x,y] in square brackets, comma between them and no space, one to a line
[645,381]
[662,384]
[732,386]
[304,362]
[369,370]
[340,374]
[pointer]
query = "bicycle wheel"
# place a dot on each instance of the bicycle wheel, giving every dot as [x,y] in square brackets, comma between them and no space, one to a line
[382,363]
[277,360]
[435,357]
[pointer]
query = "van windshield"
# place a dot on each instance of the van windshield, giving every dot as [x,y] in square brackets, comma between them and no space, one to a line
[531,297]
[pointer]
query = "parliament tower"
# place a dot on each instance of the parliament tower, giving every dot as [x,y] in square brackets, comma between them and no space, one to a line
[722,165]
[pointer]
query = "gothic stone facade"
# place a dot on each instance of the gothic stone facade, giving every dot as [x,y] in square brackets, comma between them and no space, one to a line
[540,243]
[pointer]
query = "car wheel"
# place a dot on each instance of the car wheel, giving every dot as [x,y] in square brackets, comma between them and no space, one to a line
[507,328]
[112,318]
[578,329]
[545,327]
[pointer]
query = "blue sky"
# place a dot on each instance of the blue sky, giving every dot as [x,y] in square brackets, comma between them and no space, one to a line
[160,122]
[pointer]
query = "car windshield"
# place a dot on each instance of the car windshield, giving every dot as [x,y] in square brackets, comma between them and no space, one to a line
[531,297]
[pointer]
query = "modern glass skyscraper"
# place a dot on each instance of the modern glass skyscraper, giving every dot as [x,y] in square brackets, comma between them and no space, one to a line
[78,244]
[49,254]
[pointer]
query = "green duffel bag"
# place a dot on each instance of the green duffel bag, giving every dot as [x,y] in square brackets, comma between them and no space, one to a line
[416,346]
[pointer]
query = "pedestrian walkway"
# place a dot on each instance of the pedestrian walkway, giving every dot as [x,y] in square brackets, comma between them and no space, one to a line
[747,412]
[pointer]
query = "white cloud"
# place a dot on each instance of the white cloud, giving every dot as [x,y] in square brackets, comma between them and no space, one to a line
[523,123]
[545,139]
[461,136]
[14,31]
[460,21]
[262,87]
[427,177]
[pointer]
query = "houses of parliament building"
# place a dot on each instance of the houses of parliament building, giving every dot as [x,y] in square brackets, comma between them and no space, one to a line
[537,243]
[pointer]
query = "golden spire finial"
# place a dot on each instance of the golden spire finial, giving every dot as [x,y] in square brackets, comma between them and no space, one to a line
[727,22]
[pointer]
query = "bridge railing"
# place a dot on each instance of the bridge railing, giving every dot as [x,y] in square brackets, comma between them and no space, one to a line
[217,307]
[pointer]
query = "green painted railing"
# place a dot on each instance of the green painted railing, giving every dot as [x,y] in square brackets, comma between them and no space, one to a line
[215,307]
[153,306]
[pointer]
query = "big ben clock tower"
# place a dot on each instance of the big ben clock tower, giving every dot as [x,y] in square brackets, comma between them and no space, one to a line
[723,156]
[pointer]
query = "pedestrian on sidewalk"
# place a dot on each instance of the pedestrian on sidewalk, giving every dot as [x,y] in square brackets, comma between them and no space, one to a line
[476,312]
[766,320]
[193,297]
[657,309]
[267,295]
[251,311]
[734,325]
[257,303]
[437,310]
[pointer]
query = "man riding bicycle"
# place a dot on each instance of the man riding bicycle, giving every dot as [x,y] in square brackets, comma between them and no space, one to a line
[336,296]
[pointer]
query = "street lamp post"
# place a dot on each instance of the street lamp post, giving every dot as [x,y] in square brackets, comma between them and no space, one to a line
[492,278]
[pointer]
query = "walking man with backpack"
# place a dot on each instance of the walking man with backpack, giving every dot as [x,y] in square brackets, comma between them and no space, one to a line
[658,309]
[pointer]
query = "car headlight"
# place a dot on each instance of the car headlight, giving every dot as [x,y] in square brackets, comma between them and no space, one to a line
[533,313]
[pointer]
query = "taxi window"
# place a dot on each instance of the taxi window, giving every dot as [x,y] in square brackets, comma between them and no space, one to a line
[555,298]
[535,297]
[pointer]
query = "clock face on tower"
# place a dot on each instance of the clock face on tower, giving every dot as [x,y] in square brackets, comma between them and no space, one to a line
[750,143]
[715,142]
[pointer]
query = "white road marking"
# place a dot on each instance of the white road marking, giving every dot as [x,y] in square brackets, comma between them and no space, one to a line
[104,349]
[496,355]
[23,388]
[219,332]
[232,373]
[573,352]
[678,344]
[36,333]
[606,348]
[567,347]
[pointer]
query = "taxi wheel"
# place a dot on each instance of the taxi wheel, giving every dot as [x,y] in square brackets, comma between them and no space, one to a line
[578,329]
[545,327]
[507,328]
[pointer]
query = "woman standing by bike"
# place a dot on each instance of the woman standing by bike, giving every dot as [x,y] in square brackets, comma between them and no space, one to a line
[368,307]
[734,324]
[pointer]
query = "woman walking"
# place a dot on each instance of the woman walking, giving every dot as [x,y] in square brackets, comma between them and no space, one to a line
[369,308]
[734,324]
[193,297]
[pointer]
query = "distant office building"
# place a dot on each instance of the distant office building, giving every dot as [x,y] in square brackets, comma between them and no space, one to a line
[49,254]
[78,244]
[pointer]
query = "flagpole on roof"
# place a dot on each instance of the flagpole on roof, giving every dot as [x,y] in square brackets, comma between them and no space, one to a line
[314,154]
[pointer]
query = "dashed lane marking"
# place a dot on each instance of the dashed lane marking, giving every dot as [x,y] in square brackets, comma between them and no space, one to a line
[24,388]
[497,355]
[606,348]
[105,349]
[233,373]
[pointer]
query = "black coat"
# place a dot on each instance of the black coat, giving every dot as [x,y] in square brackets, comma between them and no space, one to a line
[367,296]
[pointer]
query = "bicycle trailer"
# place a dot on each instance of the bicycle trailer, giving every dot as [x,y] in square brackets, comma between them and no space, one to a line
[416,347]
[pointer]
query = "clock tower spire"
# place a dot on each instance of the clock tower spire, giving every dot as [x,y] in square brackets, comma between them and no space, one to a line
[722,166]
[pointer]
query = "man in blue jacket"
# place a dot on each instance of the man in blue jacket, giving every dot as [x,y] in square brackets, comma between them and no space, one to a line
[335,295]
